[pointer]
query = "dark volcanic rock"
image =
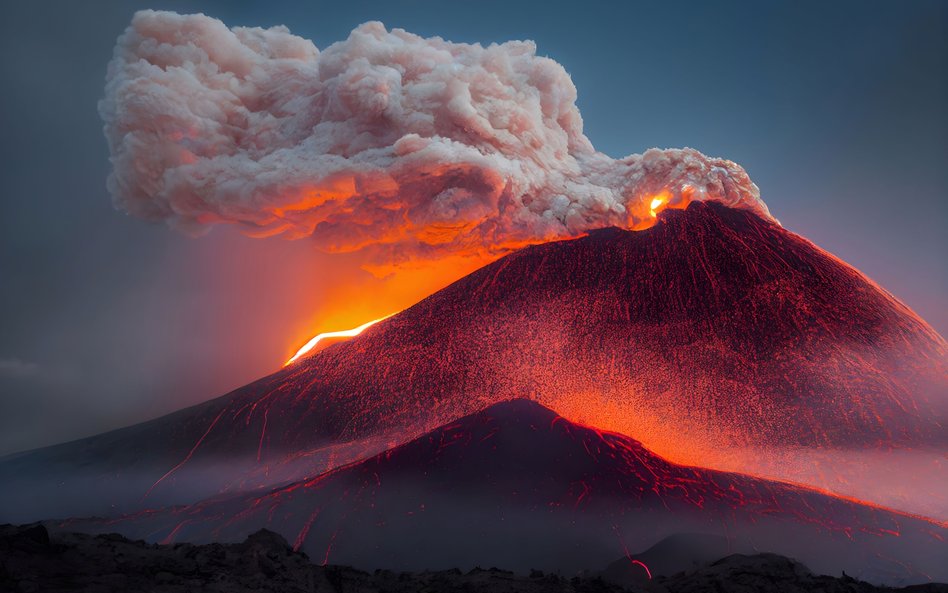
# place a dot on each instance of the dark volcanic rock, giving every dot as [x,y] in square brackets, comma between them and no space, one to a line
[517,485]
[768,572]
[676,553]
[109,562]
[710,330]
[265,563]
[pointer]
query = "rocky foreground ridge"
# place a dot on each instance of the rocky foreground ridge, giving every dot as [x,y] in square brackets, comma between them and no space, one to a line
[32,560]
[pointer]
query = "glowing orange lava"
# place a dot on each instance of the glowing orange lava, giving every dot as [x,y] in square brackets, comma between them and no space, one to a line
[643,211]
[346,333]
[657,202]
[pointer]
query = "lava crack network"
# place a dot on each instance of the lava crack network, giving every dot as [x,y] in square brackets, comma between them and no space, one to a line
[721,324]
[713,332]
[545,490]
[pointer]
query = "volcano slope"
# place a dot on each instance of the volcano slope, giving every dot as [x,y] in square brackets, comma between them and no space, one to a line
[517,485]
[715,337]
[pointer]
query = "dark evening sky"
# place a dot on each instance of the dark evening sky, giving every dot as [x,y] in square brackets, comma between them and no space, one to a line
[838,111]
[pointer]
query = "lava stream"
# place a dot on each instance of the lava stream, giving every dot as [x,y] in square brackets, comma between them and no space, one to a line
[346,333]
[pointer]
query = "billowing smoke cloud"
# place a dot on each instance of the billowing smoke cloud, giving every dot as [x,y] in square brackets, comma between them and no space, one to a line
[410,147]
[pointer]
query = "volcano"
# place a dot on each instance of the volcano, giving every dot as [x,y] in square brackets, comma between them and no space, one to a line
[519,486]
[713,333]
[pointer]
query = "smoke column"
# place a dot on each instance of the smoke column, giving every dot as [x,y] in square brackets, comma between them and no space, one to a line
[405,147]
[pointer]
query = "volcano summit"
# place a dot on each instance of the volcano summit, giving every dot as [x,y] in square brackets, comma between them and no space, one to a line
[710,334]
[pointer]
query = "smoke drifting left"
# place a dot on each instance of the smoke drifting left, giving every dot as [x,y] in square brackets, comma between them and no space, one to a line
[408,148]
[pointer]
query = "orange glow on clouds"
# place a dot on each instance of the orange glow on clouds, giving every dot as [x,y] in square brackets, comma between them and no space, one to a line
[395,287]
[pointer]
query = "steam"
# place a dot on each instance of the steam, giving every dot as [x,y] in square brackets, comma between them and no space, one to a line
[387,141]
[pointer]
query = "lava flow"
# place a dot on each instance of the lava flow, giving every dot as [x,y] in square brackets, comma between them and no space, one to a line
[715,337]
[346,333]
[656,204]
[529,487]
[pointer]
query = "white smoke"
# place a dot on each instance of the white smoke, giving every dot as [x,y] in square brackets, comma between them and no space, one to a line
[386,140]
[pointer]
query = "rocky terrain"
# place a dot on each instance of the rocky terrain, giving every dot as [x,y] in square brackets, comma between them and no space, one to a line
[750,341]
[518,486]
[31,560]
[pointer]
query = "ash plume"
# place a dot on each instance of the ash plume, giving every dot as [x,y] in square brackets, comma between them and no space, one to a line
[405,146]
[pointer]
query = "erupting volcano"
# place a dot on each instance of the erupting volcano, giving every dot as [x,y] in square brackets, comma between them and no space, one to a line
[648,354]
[734,331]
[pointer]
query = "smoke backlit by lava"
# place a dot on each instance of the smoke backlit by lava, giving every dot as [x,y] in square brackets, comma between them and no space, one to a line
[405,147]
